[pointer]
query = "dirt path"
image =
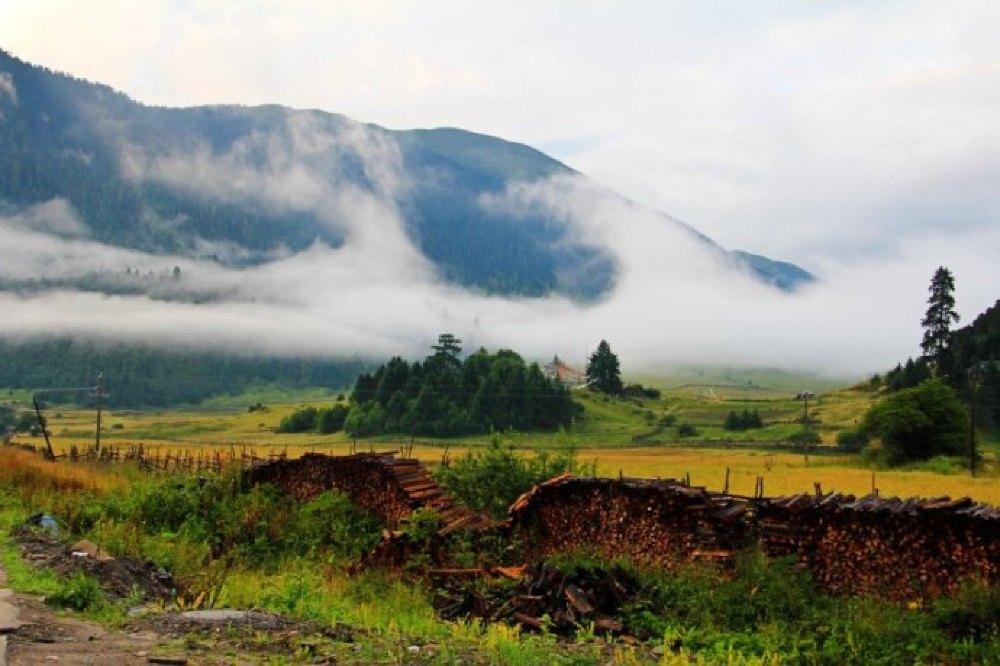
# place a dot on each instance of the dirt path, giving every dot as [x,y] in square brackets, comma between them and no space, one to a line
[34,634]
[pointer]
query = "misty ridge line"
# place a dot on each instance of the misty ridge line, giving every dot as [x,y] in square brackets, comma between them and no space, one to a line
[677,298]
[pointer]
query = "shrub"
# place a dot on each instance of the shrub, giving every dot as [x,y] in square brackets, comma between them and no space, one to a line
[806,436]
[167,506]
[331,419]
[919,423]
[332,522]
[301,420]
[852,441]
[491,479]
[686,430]
[422,525]
[365,419]
[78,593]
[640,391]
[972,612]
[746,420]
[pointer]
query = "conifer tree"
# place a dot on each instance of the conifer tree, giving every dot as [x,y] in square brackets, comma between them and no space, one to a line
[603,372]
[940,316]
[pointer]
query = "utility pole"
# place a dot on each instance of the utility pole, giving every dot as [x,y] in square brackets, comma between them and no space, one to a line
[805,395]
[975,384]
[99,393]
[972,437]
[49,453]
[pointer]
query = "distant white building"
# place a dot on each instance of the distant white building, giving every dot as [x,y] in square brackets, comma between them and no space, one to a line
[567,374]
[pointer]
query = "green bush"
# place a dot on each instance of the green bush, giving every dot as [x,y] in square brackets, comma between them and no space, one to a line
[747,420]
[422,525]
[167,506]
[79,593]
[686,430]
[806,436]
[365,419]
[971,613]
[301,420]
[919,423]
[852,441]
[331,419]
[331,522]
[491,479]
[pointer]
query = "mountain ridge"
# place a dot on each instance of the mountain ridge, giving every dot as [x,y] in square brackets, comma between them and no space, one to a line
[65,137]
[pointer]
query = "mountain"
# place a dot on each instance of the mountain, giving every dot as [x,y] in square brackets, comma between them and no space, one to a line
[238,185]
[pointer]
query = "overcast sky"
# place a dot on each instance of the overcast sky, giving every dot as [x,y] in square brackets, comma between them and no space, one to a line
[810,131]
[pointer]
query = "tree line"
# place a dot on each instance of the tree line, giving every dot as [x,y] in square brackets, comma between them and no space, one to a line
[146,376]
[447,395]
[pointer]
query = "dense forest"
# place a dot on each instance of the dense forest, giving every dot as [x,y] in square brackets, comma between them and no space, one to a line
[446,395]
[145,376]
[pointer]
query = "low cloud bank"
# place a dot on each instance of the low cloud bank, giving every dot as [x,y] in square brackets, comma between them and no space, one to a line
[677,300]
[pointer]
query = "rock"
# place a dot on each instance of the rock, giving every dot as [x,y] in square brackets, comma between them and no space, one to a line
[139,611]
[216,616]
[8,618]
[3,651]
[413,649]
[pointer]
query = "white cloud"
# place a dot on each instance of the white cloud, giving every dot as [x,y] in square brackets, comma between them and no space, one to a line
[55,216]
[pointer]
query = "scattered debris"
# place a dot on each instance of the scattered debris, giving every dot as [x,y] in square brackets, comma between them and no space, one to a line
[226,621]
[118,577]
[46,523]
[545,598]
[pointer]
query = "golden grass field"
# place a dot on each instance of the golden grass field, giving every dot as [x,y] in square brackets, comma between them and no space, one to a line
[783,473]
[607,434]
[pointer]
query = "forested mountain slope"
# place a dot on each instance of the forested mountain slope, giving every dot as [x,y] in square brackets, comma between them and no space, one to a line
[238,185]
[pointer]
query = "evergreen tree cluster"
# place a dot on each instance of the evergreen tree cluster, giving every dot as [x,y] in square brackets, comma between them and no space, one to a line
[967,359]
[445,395]
[909,375]
[745,420]
[324,420]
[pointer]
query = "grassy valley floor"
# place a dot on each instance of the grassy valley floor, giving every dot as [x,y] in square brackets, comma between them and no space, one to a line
[634,437]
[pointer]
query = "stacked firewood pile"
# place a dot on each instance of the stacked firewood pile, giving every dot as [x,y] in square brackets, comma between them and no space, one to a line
[389,487]
[545,598]
[660,522]
[894,548]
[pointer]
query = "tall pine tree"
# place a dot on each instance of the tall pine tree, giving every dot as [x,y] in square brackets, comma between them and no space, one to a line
[603,373]
[940,316]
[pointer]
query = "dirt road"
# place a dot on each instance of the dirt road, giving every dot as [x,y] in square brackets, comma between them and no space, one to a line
[33,634]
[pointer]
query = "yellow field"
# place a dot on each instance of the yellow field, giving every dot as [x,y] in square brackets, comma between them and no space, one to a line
[783,473]
[605,437]
[786,473]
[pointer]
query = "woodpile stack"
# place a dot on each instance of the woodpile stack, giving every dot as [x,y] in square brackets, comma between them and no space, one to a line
[391,488]
[660,522]
[893,548]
